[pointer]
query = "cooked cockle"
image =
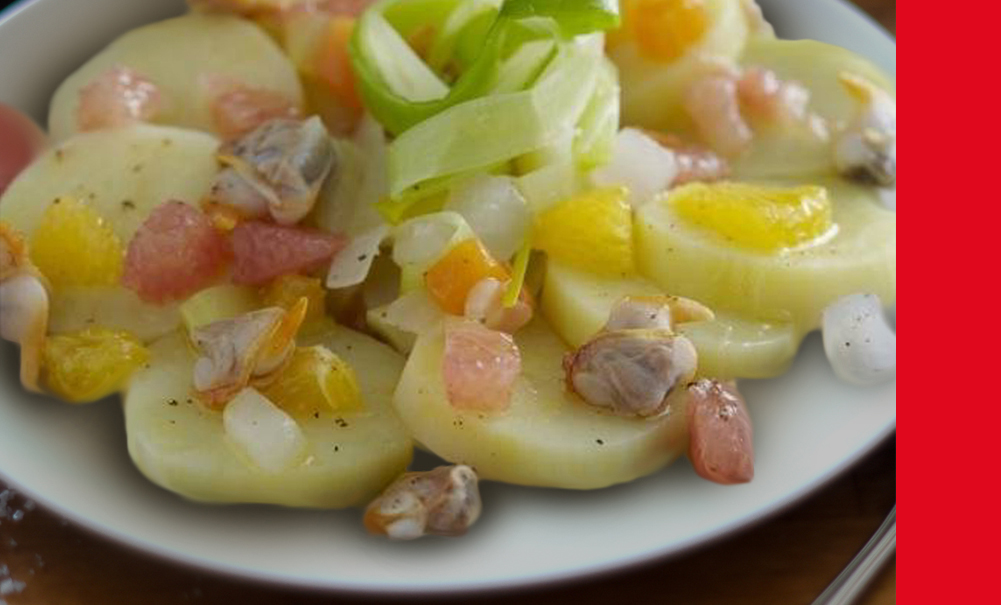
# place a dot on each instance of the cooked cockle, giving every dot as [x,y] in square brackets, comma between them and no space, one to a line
[251,349]
[867,149]
[694,162]
[442,502]
[656,313]
[631,372]
[721,447]
[283,164]
[24,304]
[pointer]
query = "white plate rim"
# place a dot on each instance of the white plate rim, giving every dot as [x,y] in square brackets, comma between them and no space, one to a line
[546,579]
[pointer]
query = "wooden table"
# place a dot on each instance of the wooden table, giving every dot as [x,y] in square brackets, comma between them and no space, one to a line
[787,560]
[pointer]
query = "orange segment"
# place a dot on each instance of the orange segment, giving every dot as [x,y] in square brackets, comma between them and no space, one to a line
[286,291]
[74,246]
[315,380]
[761,218]
[92,364]
[666,29]
[592,232]
[467,264]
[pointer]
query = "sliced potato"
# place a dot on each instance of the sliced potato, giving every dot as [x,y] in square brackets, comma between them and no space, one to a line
[174,55]
[796,152]
[791,286]
[122,174]
[181,445]
[578,305]
[548,437]
[112,307]
[653,92]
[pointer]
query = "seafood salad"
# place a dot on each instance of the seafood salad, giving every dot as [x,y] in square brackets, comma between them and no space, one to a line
[543,241]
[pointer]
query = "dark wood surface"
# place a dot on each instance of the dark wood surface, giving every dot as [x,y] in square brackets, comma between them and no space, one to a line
[789,559]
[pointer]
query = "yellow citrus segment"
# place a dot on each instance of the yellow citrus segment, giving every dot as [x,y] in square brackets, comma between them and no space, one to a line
[73,246]
[315,380]
[91,364]
[467,264]
[766,219]
[286,291]
[665,30]
[592,232]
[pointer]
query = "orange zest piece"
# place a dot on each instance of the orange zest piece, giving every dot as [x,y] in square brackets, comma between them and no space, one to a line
[467,264]
[666,29]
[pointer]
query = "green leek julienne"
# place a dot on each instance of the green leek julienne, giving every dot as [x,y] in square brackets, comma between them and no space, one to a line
[488,130]
[400,90]
[574,16]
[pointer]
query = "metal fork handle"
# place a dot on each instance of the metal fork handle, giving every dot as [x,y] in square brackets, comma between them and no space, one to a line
[849,585]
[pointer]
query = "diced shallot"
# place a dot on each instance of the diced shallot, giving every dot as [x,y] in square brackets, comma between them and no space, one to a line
[496,211]
[263,432]
[116,98]
[721,446]
[858,340]
[175,253]
[263,251]
[479,367]
[352,265]
[640,164]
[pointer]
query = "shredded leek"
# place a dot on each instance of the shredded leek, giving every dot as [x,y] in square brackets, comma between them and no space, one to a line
[401,90]
[513,292]
[497,128]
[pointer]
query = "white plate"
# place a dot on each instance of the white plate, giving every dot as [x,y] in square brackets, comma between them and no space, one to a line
[809,426]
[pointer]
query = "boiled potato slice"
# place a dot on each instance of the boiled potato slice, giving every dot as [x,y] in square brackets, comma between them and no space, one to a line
[78,308]
[175,54]
[788,286]
[350,457]
[578,305]
[122,174]
[548,437]
[796,152]
[653,91]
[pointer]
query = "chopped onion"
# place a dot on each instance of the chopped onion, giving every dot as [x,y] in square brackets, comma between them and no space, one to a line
[352,264]
[640,164]
[402,320]
[268,436]
[859,342]
[414,312]
[425,239]
[496,211]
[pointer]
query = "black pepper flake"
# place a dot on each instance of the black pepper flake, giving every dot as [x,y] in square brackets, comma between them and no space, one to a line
[189,401]
[337,448]
[316,414]
[362,258]
[172,403]
[128,205]
[341,423]
[600,442]
[137,168]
